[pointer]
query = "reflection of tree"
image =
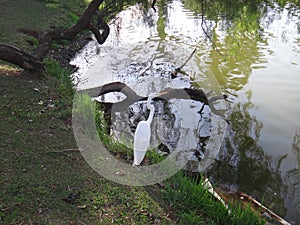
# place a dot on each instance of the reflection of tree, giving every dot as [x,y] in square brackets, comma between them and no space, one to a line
[232,58]
[237,35]
[292,179]
[243,163]
[240,21]
[296,146]
[241,52]
[244,14]
[111,7]
[233,71]
[162,16]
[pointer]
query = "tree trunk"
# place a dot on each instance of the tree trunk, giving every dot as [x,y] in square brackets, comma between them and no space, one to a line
[132,96]
[166,94]
[20,58]
[84,23]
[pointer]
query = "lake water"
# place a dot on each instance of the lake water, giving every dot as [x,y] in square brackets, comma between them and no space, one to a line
[258,68]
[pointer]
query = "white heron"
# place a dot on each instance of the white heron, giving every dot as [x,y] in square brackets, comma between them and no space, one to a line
[143,133]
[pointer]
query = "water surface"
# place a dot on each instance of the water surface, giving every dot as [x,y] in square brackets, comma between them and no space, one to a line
[256,63]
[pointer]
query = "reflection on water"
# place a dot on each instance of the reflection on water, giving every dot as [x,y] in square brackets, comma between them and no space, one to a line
[244,164]
[171,130]
[256,62]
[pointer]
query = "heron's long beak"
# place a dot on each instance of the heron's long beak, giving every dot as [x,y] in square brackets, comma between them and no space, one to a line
[161,93]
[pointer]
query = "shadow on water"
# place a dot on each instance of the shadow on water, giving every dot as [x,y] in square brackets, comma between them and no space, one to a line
[242,44]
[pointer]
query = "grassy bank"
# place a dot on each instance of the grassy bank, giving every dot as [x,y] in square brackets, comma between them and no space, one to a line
[44,179]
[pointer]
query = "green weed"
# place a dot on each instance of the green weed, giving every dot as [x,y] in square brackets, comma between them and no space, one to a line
[73,18]
[192,201]
[63,76]
[61,79]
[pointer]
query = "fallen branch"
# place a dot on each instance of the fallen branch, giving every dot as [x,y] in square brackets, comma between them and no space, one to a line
[177,70]
[132,96]
[229,195]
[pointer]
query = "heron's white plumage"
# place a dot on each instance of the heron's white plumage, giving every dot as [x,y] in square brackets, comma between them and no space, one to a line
[142,134]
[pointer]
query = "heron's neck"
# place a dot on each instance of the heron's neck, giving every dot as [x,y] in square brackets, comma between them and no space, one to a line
[150,117]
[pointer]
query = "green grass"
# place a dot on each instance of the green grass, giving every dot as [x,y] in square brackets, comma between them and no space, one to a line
[35,15]
[31,178]
[44,179]
[63,78]
[197,203]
